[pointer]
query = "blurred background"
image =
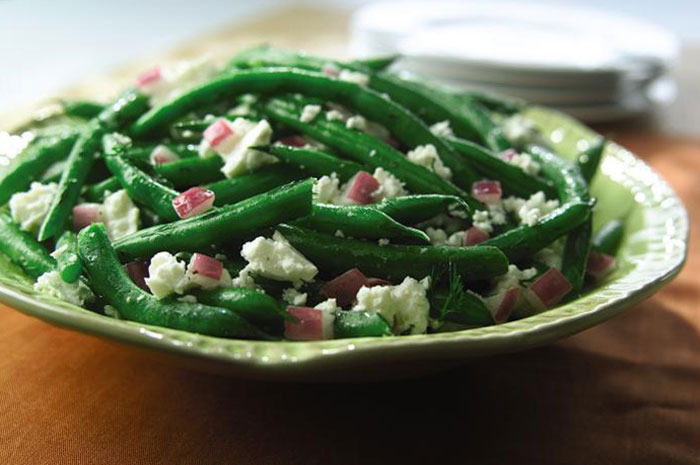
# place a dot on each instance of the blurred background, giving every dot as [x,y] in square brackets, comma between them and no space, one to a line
[602,61]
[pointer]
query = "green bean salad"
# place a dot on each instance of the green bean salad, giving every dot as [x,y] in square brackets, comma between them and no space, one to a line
[287,196]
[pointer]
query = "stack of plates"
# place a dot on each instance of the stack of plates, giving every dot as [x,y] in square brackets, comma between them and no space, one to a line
[596,66]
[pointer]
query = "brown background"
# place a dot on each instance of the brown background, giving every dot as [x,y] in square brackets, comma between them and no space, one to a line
[627,391]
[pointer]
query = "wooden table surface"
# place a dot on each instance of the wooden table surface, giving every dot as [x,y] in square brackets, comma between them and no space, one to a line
[627,391]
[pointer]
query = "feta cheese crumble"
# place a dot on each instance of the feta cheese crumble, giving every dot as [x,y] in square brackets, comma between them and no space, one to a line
[327,189]
[29,208]
[519,130]
[404,306]
[276,259]
[120,214]
[427,156]
[166,275]
[531,210]
[335,115]
[525,163]
[76,293]
[356,122]
[389,185]
[442,129]
[513,277]
[294,297]
[553,254]
[328,309]
[352,76]
[309,113]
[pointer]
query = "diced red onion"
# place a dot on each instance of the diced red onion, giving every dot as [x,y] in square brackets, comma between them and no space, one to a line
[487,191]
[149,77]
[501,305]
[344,287]
[392,142]
[371,282]
[218,132]
[308,325]
[206,266]
[162,154]
[361,188]
[548,289]
[600,264]
[85,214]
[138,272]
[295,140]
[508,155]
[329,69]
[475,236]
[193,202]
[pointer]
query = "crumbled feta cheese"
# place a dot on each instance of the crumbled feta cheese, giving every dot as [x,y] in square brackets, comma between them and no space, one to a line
[383,242]
[389,185]
[519,130]
[294,297]
[457,239]
[120,214]
[76,293]
[29,208]
[437,236]
[482,220]
[427,156]
[166,275]
[242,158]
[327,189]
[354,77]
[442,129]
[531,210]
[339,233]
[309,112]
[244,279]
[405,306]
[552,255]
[276,259]
[335,115]
[525,163]
[190,299]
[329,308]
[112,311]
[513,277]
[356,122]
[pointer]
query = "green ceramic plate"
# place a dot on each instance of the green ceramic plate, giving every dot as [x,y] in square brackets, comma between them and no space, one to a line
[653,252]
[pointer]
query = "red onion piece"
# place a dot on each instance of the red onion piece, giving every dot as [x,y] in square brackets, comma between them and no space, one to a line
[475,236]
[329,69]
[85,214]
[295,140]
[193,202]
[371,282]
[508,155]
[149,77]
[501,305]
[138,272]
[487,191]
[308,327]
[361,188]
[218,132]
[206,266]
[344,287]
[548,289]
[600,264]
[162,154]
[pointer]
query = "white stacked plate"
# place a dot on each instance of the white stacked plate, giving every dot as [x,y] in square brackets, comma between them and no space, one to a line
[593,65]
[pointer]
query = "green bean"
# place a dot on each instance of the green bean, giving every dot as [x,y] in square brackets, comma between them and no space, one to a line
[29,165]
[466,309]
[80,161]
[514,180]
[222,225]
[82,108]
[589,159]
[403,125]
[22,249]
[358,221]
[571,187]
[253,305]
[359,324]
[393,262]
[192,171]
[366,150]
[378,63]
[524,241]
[609,237]
[66,255]
[123,110]
[495,103]
[97,192]
[315,162]
[413,209]
[247,185]
[141,187]
[109,280]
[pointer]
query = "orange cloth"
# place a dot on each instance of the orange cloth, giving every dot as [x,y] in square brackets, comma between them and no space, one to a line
[627,391]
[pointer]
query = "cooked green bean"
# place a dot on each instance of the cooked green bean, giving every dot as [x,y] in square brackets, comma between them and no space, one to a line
[360,324]
[31,163]
[66,256]
[589,159]
[314,162]
[609,237]
[221,225]
[247,185]
[391,261]
[109,280]
[140,186]
[22,249]
[192,171]
[82,108]
[413,209]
